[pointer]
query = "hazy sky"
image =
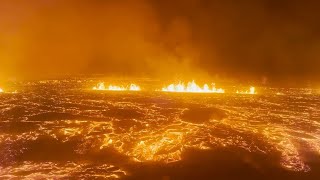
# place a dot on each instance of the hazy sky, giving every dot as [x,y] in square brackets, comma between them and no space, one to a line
[270,39]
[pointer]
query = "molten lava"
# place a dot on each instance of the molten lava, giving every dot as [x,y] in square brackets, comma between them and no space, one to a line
[102,87]
[192,87]
[251,91]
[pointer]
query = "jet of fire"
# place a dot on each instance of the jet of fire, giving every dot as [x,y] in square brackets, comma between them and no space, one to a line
[102,87]
[134,87]
[251,91]
[192,87]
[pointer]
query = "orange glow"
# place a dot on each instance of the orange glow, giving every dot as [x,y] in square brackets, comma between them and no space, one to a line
[102,87]
[251,91]
[152,149]
[192,87]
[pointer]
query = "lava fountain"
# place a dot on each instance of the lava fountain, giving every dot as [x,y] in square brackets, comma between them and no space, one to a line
[192,87]
[102,87]
[252,90]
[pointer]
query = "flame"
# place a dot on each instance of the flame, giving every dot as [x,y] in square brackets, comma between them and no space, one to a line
[252,90]
[134,87]
[192,87]
[1,90]
[102,87]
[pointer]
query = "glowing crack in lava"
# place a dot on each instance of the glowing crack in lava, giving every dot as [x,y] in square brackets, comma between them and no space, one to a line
[53,170]
[192,87]
[251,91]
[102,87]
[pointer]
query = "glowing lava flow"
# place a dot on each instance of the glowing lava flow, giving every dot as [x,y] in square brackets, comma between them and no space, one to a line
[102,87]
[192,87]
[251,91]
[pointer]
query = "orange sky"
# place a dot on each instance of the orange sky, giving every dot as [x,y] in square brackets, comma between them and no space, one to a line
[47,38]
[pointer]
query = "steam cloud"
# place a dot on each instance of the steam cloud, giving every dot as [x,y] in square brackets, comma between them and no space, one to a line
[277,40]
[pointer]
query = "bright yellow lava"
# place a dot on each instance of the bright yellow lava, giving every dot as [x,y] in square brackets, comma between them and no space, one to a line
[192,87]
[251,91]
[1,90]
[102,87]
